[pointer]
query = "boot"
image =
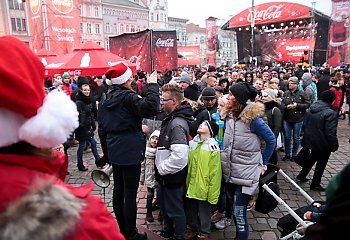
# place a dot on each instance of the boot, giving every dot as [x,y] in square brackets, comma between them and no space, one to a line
[149,217]
[160,216]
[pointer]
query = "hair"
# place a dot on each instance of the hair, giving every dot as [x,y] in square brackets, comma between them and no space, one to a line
[174,90]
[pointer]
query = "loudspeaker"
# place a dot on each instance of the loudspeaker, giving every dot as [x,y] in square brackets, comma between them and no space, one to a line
[101,176]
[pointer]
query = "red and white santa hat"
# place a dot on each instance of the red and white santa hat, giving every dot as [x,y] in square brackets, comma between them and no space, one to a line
[26,113]
[119,73]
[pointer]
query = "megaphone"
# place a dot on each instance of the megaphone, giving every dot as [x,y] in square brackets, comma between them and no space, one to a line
[101,176]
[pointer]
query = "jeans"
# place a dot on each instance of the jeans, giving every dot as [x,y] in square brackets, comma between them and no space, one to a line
[150,196]
[171,204]
[126,182]
[198,210]
[288,128]
[81,148]
[321,159]
[240,211]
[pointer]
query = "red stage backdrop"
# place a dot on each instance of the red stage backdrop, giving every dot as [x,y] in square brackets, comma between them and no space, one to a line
[136,47]
[339,33]
[55,25]
[270,12]
[211,40]
[191,55]
[293,49]
[164,50]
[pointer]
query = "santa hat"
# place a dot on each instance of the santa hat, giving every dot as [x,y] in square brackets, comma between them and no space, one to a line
[43,121]
[119,73]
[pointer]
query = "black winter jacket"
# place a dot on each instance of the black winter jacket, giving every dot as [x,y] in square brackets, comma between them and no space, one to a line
[87,124]
[303,103]
[320,128]
[174,134]
[121,117]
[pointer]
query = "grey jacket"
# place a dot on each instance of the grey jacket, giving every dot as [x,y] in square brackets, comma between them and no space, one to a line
[241,157]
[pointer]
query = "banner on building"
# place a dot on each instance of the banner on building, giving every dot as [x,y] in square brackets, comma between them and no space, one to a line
[294,49]
[190,55]
[149,50]
[339,33]
[210,31]
[55,25]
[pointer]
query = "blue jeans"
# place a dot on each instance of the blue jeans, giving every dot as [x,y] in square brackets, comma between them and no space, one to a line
[81,148]
[240,210]
[171,204]
[288,128]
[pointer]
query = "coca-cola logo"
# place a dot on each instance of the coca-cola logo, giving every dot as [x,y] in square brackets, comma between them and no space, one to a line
[35,6]
[272,12]
[165,43]
[63,6]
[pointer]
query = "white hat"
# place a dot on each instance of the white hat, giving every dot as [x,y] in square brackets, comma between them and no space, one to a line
[119,73]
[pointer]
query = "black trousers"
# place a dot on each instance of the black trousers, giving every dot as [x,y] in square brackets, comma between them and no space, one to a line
[126,183]
[321,159]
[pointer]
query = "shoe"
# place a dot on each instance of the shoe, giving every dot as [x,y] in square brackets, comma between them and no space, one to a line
[292,159]
[160,217]
[217,217]
[286,158]
[203,236]
[82,168]
[302,179]
[223,223]
[190,233]
[251,204]
[137,236]
[318,188]
[149,217]
[166,235]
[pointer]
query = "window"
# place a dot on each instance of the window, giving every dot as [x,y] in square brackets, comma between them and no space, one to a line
[152,16]
[157,18]
[107,44]
[108,28]
[96,12]
[88,11]
[132,28]
[138,28]
[121,28]
[13,24]
[15,4]
[97,28]
[161,17]
[81,10]
[127,28]
[81,28]
[11,4]
[24,25]
[115,28]
[88,28]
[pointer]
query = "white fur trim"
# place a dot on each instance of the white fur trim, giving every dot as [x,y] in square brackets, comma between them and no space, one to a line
[123,78]
[55,121]
[10,122]
[337,44]
[108,82]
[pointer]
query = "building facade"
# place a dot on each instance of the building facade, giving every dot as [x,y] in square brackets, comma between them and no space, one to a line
[179,25]
[14,20]
[91,21]
[158,14]
[123,16]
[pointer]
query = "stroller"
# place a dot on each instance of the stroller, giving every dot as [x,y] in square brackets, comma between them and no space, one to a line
[296,222]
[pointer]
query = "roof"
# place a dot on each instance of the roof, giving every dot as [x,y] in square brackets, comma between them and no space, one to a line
[126,3]
[174,19]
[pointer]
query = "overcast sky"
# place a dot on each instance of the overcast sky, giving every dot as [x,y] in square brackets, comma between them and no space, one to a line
[196,11]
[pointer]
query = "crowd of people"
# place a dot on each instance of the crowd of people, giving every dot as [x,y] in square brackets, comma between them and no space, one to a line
[198,138]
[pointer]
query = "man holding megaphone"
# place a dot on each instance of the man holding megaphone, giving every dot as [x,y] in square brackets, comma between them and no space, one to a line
[121,116]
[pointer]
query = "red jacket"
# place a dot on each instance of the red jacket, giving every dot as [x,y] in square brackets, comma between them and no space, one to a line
[34,201]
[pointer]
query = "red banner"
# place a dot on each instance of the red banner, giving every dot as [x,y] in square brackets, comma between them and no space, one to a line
[164,50]
[339,33]
[190,55]
[210,31]
[270,12]
[293,49]
[55,25]
[136,47]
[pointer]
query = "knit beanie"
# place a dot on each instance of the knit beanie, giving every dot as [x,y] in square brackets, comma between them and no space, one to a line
[328,96]
[154,133]
[243,91]
[82,80]
[213,128]
[65,75]
[208,93]
[192,92]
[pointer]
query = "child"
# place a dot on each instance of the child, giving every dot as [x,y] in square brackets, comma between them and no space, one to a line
[147,172]
[203,180]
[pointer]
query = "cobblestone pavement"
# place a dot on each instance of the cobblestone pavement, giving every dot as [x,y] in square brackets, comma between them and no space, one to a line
[262,226]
